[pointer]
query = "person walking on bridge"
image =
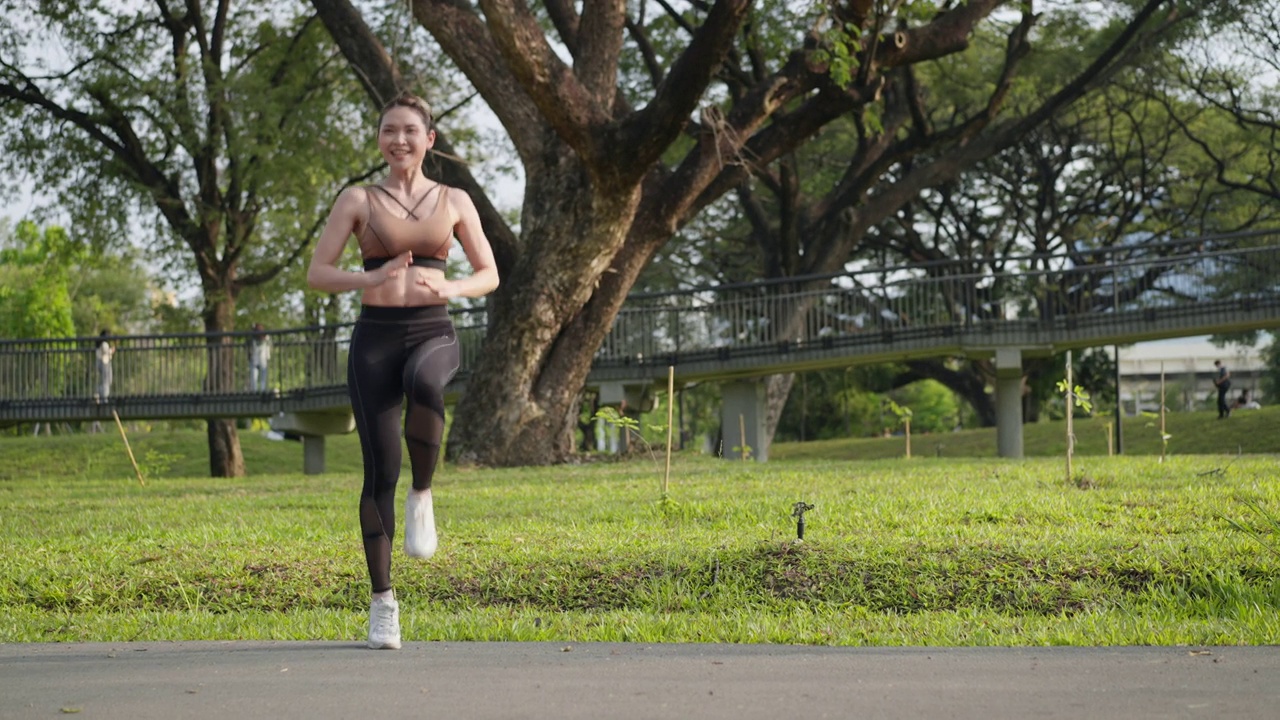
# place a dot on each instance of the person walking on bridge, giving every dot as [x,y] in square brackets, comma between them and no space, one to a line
[403,345]
[103,354]
[259,359]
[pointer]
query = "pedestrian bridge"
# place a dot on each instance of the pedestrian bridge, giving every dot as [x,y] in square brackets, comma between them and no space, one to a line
[1007,309]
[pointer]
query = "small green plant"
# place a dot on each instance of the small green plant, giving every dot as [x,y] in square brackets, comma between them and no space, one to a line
[155,463]
[1075,396]
[903,414]
[630,425]
[624,424]
[1156,420]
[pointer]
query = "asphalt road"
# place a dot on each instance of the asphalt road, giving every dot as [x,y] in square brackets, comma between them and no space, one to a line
[295,680]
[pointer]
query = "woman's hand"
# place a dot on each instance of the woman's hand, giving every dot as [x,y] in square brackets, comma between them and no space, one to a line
[444,289]
[391,269]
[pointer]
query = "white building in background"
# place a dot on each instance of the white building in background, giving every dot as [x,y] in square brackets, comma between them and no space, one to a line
[1188,373]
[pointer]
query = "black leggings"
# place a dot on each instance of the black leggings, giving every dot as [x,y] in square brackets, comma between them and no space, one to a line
[397,353]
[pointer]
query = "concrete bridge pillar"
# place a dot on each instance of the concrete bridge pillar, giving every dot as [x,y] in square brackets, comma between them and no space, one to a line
[313,427]
[742,415]
[1009,402]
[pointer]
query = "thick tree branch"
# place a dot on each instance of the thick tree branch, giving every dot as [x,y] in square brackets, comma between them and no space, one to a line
[599,48]
[640,139]
[463,36]
[647,53]
[946,34]
[964,154]
[565,19]
[205,150]
[366,54]
[566,104]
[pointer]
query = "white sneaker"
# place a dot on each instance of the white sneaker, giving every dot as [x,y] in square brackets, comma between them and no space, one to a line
[419,525]
[384,624]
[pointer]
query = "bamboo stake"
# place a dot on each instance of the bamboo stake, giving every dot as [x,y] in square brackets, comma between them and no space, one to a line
[742,433]
[1162,440]
[1070,416]
[128,449]
[671,404]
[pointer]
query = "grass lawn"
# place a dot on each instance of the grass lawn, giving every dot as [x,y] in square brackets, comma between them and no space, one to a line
[1191,433]
[930,551]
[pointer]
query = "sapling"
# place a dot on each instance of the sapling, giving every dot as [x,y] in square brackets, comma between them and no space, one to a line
[1076,397]
[904,417]
[1164,436]
[630,425]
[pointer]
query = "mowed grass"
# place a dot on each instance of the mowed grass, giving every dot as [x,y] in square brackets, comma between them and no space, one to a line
[184,453]
[897,552]
[1190,433]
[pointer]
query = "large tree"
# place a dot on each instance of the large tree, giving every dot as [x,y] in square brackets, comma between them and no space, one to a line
[616,164]
[226,123]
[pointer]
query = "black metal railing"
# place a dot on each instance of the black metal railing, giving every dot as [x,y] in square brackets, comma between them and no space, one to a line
[1209,277]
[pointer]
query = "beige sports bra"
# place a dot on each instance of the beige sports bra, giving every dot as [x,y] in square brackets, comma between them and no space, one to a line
[386,235]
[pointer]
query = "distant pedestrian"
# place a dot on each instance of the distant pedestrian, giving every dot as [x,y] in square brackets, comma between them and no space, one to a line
[1222,381]
[104,353]
[259,357]
[1245,402]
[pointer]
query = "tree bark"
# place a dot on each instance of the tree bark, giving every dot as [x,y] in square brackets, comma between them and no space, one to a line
[225,456]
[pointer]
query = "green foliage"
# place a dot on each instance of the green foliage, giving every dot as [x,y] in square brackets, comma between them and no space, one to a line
[632,426]
[932,406]
[610,415]
[840,403]
[154,463]
[52,285]
[902,413]
[841,44]
[1078,395]
[1096,369]
[272,128]
[34,297]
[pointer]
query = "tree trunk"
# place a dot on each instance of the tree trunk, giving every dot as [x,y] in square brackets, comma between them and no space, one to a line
[521,408]
[776,390]
[225,457]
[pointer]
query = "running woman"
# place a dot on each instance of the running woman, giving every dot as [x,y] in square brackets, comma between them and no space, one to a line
[403,346]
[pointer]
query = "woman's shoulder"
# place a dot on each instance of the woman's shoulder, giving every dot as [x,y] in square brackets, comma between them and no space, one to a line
[354,193]
[353,201]
[457,197]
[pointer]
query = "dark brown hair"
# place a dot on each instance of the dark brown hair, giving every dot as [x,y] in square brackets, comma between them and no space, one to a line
[409,100]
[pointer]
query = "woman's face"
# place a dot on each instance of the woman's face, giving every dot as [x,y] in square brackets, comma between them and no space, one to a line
[404,138]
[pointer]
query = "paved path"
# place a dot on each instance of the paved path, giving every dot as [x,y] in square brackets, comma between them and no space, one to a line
[457,681]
